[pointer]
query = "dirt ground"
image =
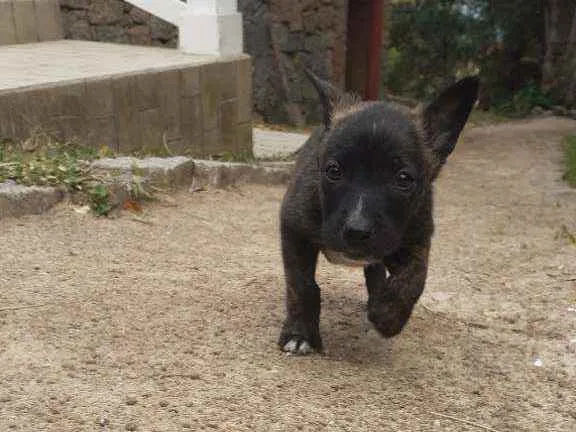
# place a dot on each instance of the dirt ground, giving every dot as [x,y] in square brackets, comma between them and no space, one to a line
[171,325]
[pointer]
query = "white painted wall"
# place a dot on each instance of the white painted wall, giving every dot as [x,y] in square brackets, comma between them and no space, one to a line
[209,27]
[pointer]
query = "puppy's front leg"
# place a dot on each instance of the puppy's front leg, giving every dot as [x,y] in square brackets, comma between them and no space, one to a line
[300,332]
[391,299]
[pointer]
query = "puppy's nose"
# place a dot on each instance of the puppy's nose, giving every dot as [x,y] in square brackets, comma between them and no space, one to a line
[358,232]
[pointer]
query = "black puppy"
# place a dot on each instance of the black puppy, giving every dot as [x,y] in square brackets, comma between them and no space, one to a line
[362,194]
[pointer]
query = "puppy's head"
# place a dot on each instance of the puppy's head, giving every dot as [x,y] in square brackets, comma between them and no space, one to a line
[377,165]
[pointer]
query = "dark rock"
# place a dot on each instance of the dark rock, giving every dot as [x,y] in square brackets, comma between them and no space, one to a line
[139,35]
[173,43]
[539,112]
[309,4]
[139,16]
[105,11]
[108,33]
[311,21]
[161,30]
[560,110]
[75,4]
[279,33]
[314,43]
[76,25]
[295,42]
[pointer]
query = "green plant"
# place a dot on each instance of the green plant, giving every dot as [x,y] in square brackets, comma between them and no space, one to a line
[522,102]
[570,158]
[43,161]
[99,198]
[137,190]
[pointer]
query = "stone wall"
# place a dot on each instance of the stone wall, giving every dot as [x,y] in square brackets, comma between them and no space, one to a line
[281,35]
[115,21]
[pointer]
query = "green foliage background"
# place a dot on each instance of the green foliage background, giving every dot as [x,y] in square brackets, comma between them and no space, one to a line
[433,43]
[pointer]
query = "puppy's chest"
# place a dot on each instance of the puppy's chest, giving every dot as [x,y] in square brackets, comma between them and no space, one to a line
[340,258]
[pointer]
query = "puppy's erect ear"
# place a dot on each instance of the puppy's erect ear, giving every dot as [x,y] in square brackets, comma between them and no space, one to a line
[445,117]
[330,97]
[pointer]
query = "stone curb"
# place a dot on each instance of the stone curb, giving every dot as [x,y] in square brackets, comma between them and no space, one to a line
[176,172]
[17,200]
[224,174]
[158,172]
[122,174]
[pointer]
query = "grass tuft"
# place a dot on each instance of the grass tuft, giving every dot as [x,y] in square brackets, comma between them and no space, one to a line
[43,161]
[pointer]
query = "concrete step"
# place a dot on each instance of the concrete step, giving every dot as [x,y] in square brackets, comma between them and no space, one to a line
[130,98]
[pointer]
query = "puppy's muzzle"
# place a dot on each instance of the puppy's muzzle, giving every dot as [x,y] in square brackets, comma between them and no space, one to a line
[358,228]
[357,232]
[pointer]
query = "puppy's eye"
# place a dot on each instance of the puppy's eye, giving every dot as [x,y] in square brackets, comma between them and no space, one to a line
[333,171]
[404,181]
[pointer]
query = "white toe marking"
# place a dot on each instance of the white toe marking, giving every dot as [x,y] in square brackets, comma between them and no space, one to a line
[291,346]
[305,348]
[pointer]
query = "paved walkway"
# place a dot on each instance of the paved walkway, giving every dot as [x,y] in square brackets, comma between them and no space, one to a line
[272,144]
[33,64]
[168,321]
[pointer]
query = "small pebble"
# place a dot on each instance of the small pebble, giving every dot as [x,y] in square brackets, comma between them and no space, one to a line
[131,427]
[131,400]
[163,403]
